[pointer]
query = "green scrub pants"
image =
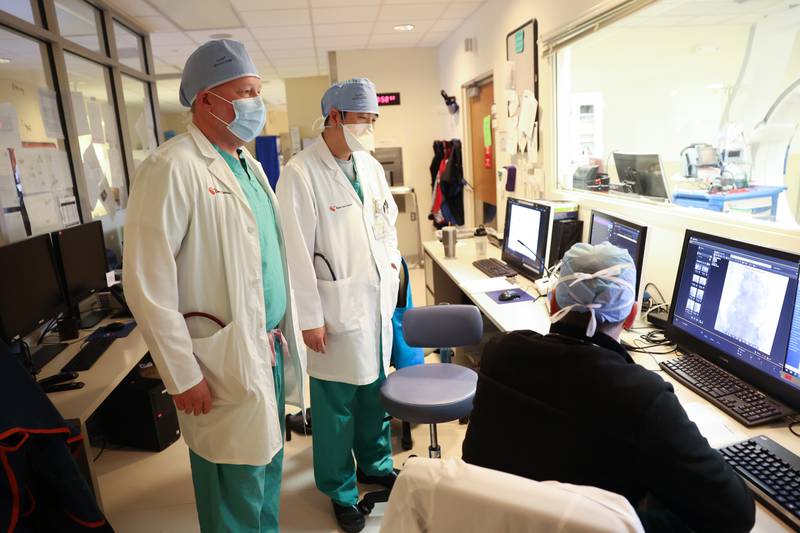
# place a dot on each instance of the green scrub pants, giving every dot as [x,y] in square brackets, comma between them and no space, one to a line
[348,420]
[241,498]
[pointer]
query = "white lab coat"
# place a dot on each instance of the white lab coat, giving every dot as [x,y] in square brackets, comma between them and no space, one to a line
[323,214]
[451,495]
[191,244]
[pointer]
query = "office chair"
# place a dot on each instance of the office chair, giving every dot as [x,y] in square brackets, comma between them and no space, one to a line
[431,393]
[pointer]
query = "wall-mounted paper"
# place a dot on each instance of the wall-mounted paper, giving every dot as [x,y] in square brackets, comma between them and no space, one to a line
[108,200]
[79,108]
[8,196]
[93,173]
[69,211]
[43,212]
[13,226]
[34,169]
[59,164]
[509,69]
[95,116]
[527,118]
[512,102]
[5,163]
[117,170]
[48,105]
[110,124]
[9,126]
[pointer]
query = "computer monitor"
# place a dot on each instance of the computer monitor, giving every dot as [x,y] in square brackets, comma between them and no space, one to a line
[526,237]
[737,305]
[30,294]
[622,233]
[641,174]
[81,255]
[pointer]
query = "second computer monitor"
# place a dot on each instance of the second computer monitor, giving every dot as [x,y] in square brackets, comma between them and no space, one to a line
[641,174]
[621,233]
[526,236]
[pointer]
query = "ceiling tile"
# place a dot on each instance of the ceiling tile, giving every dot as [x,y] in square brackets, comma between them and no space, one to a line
[199,14]
[170,38]
[411,11]
[336,3]
[300,54]
[135,8]
[174,49]
[165,68]
[390,2]
[328,30]
[460,10]
[380,41]
[333,42]
[434,38]
[332,15]
[201,36]
[275,17]
[283,44]
[420,26]
[257,5]
[282,32]
[156,23]
[447,24]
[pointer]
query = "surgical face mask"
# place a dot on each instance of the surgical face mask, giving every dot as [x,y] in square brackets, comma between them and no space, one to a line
[251,115]
[610,274]
[359,137]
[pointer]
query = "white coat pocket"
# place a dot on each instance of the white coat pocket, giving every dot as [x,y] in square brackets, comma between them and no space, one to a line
[343,304]
[224,358]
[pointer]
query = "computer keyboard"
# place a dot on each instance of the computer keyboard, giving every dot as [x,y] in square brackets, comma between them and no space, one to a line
[738,399]
[772,472]
[90,353]
[494,268]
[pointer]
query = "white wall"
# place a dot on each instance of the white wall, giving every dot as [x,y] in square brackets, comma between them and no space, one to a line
[416,122]
[489,25]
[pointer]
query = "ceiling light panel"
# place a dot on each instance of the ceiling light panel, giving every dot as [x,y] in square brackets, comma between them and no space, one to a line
[420,26]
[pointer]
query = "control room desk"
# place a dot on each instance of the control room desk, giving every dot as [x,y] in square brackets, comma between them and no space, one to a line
[77,406]
[445,280]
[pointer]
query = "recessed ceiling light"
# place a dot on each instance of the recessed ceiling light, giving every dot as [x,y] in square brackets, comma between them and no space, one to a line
[4,60]
[404,27]
[220,36]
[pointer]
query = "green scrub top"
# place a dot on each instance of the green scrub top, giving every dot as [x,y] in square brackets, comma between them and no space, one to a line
[349,169]
[271,254]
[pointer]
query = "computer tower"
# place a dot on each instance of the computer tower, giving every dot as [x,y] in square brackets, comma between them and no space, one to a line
[140,414]
[566,232]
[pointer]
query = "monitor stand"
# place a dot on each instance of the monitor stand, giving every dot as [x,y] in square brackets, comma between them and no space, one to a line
[92,318]
[45,354]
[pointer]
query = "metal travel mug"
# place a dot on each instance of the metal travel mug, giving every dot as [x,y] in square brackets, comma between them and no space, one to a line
[449,238]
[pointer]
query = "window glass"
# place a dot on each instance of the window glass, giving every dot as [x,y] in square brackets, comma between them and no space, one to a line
[139,110]
[98,135]
[129,47]
[20,8]
[36,185]
[79,22]
[694,102]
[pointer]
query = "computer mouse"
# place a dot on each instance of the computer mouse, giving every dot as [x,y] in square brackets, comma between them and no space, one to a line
[506,296]
[114,326]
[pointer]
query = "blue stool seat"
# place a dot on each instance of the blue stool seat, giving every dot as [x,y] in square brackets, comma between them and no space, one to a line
[430,393]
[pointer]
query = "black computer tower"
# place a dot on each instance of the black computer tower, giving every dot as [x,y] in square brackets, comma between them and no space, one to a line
[140,414]
[566,232]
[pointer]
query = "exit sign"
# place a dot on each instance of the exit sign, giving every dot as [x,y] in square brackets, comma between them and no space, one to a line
[388,98]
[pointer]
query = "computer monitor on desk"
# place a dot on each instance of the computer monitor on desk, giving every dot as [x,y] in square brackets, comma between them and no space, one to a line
[641,174]
[526,236]
[737,305]
[621,233]
[81,255]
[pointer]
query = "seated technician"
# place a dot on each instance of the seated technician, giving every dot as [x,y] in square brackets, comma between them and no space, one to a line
[572,406]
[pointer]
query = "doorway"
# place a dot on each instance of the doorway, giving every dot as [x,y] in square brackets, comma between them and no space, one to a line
[482,157]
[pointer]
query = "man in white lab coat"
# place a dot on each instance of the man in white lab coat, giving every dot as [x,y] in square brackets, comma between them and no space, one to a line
[339,218]
[206,277]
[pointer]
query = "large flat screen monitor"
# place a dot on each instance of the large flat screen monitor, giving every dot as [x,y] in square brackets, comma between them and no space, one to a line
[641,174]
[737,305]
[621,233]
[526,236]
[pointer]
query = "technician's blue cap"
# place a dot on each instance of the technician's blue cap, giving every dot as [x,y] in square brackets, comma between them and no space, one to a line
[588,278]
[357,95]
[212,64]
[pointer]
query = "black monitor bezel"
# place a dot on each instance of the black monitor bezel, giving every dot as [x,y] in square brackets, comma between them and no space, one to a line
[74,299]
[768,384]
[638,261]
[53,312]
[639,182]
[507,257]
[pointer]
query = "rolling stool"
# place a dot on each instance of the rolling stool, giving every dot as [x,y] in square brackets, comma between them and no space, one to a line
[432,393]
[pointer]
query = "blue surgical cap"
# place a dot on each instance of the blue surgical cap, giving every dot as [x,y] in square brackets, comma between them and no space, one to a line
[357,95]
[610,294]
[212,64]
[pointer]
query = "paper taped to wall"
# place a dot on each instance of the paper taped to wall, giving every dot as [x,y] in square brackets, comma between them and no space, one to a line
[9,126]
[43,212]
[95,117]
[69,211]
[48,105]
[79,110]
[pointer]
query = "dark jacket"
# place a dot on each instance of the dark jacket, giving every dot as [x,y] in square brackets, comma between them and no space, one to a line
[41,488]
[576,410]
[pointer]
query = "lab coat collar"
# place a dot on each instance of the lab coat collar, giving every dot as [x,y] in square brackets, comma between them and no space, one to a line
[216,164]
[326,156]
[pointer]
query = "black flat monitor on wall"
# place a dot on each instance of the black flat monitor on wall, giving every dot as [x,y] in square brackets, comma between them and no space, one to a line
[81,255]
[30,294]
[641,174]
[621,233]
[526,237]
[737,305]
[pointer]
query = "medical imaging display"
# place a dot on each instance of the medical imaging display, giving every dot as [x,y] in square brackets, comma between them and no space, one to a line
[525,236]
[750,306]
[620,233]
[742,302]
